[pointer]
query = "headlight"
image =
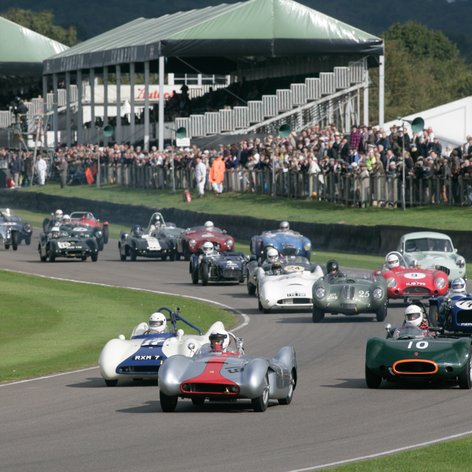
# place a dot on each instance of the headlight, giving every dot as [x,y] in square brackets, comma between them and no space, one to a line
[307,246]
[191,346]
[460,262]
[391,282]
[320,292]
[378,293]
[440,282]
[229,243]
[27,227]
[192,243]
[98,234]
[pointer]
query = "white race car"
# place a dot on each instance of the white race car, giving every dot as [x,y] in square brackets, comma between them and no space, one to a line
[141,356]
[288,284]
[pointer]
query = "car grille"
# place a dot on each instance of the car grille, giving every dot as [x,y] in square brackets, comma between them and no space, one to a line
[415,367]
[139,369]
[210,388]
[444,269]
[348,292]
[416,291]
[464,317]
[232,274]
[295,301]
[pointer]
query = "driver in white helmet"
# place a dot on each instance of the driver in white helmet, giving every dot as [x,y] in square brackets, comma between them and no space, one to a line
[208,248]
[157,323]
[457,291]
[58,215]
[284,226]
[272,261]
[414,317]
[209,226]
[55,232]
[392,261]
[219,340]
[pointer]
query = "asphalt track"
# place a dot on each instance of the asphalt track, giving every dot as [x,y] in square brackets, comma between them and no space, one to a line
[73,422]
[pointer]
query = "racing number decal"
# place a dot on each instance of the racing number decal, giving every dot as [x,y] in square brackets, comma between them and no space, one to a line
[464,305]
[363,293]
[418,345]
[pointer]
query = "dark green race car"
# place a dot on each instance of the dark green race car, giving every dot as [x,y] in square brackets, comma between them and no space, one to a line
[409,354]
[349,296]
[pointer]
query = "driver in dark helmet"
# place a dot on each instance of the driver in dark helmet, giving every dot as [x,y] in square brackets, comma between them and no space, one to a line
[332,269]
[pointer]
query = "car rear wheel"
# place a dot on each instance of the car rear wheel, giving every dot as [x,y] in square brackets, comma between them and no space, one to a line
[94,257]
[51,256]
[7,246]
[15,240]
[261,403]
[288,399]
[317,315]
[251,288]
[168,402]
[465,378]
[28,240]
[132,253]
[111,382]
[433,315]
[204,271]
[371,379]
[194,273]
[381,313]
[186,254]
[106,234]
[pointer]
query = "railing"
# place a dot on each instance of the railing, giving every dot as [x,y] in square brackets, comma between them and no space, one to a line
[349,189]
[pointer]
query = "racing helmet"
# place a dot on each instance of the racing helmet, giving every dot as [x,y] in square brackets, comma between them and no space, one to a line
[332,267]
[458,285]
[66,219]
[55,231]
[207,248]
[137,231]
[58,214]
[272,255]
[219,340]
[157,322]
[284,226]
[392,261]
[7,212]
[209,226]
[413,315]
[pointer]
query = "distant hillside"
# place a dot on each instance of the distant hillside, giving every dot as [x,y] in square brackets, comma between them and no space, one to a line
[93,17]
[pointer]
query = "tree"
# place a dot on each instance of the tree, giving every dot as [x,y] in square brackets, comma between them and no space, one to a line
[43,23]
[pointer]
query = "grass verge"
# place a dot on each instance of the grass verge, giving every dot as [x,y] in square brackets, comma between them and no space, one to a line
[56,326]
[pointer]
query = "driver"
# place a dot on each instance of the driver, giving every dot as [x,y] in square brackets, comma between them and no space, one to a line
[458,289]
[55,232]
[209,226]
[392,261]
[208,248]
[155,224]
[137,231]
[219,340]
[272,260]
[414,317]
[157,323]
[332,269]
[284,226]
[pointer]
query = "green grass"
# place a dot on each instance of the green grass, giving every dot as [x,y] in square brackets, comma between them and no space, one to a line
[262,206]
[57,326]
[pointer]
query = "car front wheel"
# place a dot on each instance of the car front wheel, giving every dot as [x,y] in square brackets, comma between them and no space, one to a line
[317,315]
[371,379]
[261,403]
[168,402]
[464,379]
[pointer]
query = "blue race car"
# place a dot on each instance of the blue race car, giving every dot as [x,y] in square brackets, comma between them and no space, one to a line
[141,356]
[226,266]
[286,241]
[453,313]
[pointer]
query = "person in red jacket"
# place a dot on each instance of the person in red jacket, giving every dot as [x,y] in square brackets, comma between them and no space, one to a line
[217,173]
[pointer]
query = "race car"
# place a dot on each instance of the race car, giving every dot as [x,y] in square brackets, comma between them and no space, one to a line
[453,313]
[228,376]
[190,240]
[88,219]
[349,295]
[153,242]
[431,250]
[287,243]
[141,356]
[411,355]
[70,245]
[405,282]
[13,230]
[223,266]
[288,284]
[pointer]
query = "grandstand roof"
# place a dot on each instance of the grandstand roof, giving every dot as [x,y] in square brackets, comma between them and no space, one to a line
[23,51]
[248,30]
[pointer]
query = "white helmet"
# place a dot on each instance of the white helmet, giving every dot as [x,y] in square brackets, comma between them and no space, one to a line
[55,231]
[157,322]
[272,255]
[66,219]
[413,315]
[392,261]
[7,212]
[207,248]
[209,225]
[219,340]
[284,226]
[58,214]
[458,285]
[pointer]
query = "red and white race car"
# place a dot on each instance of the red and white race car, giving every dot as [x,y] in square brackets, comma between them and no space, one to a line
[411,282]
[86,218]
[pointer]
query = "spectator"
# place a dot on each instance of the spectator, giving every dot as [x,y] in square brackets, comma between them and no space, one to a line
[217,173]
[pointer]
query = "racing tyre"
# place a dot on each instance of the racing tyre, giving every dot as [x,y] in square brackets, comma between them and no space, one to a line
[111,382]
[261,403]
[433,315]
[195,277]
[50,255]
[372,380]
[204,269]
[288,399]
[83,258]
[251,288]
[464,379]
[94,257]
[106,234]
[132,253]
[186,254]
[174,256]
[15,240]
[7,246]
[100,244]
[123,257]
[317,315]
[42,258]
[168,402]
[381,313]
[28,240]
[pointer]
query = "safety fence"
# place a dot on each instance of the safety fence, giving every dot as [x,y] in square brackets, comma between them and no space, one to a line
[349,189]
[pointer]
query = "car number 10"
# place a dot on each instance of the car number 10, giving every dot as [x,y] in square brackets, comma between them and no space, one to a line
[418,345]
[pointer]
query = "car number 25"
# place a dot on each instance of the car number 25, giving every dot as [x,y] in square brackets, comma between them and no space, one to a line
[363,293]
[418,345]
